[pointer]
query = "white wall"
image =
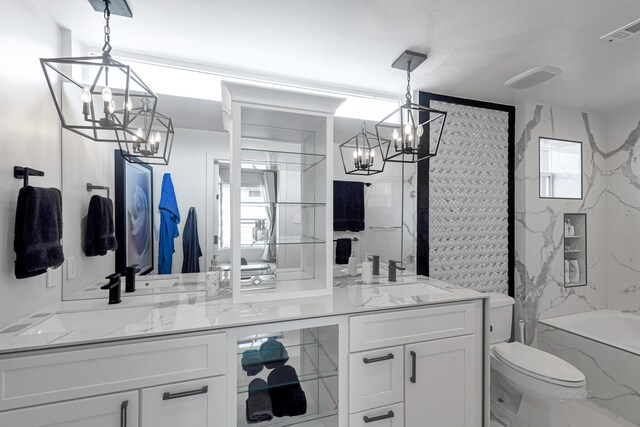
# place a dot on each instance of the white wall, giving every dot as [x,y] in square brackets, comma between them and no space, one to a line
[29,136]
[188,169]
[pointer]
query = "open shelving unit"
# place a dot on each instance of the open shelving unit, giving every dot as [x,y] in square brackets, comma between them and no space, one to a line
[311,354]
[575,249]
[282,148]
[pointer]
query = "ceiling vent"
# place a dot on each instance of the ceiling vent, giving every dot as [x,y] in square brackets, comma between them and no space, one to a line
[533,77]
[624,33]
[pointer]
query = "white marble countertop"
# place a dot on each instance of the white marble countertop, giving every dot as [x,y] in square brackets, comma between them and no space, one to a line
[166,314]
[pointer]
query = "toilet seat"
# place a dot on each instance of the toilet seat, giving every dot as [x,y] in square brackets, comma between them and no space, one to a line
[538,364]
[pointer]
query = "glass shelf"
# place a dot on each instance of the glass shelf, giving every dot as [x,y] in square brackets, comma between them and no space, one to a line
[279,160]
[298,240]
[303,204]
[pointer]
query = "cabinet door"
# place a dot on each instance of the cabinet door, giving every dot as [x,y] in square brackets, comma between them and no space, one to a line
[201,403]
[115,410]
[443,383]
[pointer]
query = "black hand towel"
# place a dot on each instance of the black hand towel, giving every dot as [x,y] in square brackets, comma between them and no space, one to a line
[287,396]
[273,354]
[251,362]
[259,402]
[343,251]
[348,206]
[98,237]
[191,244]
[38,230]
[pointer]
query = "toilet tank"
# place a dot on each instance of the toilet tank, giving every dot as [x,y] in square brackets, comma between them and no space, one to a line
[501,317]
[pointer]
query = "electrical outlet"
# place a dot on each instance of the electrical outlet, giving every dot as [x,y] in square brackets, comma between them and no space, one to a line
[71,268]
[52,279]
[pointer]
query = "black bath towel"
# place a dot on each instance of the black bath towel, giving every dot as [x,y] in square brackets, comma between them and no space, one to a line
[251,362]
[348,206]
[38,230]
[343,251]
[98,236]
[259,402]
[191,244]
[287,396]
[273,354]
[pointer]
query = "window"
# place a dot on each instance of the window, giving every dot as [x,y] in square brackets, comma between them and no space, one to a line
[253,209]
[560,169]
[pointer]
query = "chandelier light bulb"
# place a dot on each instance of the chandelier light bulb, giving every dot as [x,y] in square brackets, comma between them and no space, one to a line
[396,134]
[407,129]
[86,95]
[355,154]
[420,131]
[139,134]
[112,107]
[373,153]
[157,137]
[106,94]
[128,105]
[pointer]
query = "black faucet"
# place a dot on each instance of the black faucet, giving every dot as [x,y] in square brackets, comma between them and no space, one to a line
[375,259]
[393,267]
[114,288]
[130,277]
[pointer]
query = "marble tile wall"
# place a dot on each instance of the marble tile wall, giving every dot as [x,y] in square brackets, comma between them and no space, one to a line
[623,210]
[539,265]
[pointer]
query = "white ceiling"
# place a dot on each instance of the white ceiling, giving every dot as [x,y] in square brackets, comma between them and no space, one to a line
[476,45]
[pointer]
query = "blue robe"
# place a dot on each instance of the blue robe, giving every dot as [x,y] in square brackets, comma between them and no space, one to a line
[169,220]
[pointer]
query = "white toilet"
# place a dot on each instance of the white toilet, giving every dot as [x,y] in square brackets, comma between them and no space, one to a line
[527,384]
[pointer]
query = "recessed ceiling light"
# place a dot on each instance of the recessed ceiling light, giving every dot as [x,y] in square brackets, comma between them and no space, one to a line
[533,77]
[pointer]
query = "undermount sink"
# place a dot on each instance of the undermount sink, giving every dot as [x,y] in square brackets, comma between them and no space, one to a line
[99,319]
[413,289]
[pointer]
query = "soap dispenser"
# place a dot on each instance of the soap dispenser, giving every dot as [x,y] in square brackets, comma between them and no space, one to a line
[367,272]
[352,267]
[212,278]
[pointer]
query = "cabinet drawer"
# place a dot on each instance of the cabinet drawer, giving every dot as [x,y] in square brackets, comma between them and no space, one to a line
[388,416]
[201,403]
[44,378]
[408,326]
[376,378]
[115,410]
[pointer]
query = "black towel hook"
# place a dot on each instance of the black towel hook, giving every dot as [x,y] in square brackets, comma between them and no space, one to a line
[20,172]
[91,187]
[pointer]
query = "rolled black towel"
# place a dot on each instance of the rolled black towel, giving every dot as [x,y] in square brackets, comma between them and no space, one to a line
[287,396]
[251,362]
[259,402]
[273,354]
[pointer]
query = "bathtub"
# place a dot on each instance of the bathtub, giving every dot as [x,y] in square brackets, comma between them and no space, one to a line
[605,346]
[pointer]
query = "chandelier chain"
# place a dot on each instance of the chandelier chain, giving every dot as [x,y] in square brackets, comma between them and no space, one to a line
[107,29]
[408,95]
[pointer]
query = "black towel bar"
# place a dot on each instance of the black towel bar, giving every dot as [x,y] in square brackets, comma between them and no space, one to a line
[91,187]
[24,173]
[353,239]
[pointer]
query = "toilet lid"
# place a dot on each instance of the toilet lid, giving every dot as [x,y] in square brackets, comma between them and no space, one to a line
[538,363]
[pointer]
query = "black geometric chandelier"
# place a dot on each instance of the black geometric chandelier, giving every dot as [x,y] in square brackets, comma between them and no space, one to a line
[363,154]
[154,148]
[112,101]
[410,127]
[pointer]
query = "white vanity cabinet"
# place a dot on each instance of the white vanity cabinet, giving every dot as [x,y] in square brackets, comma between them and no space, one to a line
[417,367]
[200,403]
[114,410]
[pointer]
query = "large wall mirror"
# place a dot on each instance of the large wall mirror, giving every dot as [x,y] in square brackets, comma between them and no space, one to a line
[560,169]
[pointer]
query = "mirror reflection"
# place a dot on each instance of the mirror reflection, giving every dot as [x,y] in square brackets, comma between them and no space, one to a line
[560,169]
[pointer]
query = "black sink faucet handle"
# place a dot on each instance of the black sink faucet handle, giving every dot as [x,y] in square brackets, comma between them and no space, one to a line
[113,287]
[130,277]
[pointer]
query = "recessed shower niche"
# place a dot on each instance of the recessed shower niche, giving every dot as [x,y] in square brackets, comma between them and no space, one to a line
[575,249]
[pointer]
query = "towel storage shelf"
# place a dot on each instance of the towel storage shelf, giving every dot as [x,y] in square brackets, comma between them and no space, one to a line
[312,352]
